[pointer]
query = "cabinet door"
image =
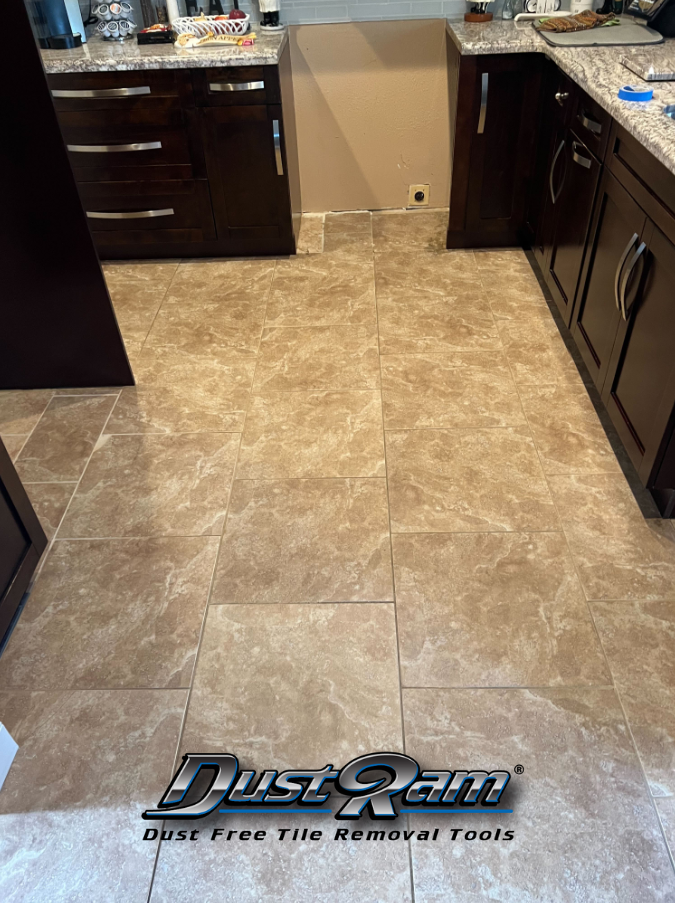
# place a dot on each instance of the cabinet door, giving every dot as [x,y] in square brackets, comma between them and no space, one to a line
[558,98]
[640,391]
[246,163]
[619,225]
[574,202]
[22,541]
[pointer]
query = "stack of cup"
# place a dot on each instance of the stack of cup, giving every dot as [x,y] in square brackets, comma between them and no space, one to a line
[115,21]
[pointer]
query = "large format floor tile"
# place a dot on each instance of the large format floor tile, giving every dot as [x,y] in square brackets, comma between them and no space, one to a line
[619,553]
[423,229]
[313,434]
[50,501]
[310,239]
[320,290]
[113,613]
[296,686]
[60,445]
[143,275]
[511,285]
[154,485]
[464,389]
[324,357]
[89,763]
[306,541]
[13,444]
[537,354]
[639,640]
[567,430]
[352,221]
[21,410]
[665,806]
[493,610]
[583,825]
[135,308]
[466,481]
[183,390]
[274,871]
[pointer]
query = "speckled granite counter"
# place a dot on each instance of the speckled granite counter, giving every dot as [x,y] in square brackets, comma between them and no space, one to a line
[598,70]
[98,55]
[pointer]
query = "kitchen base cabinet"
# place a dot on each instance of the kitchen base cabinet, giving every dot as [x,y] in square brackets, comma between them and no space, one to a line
[619,226]
[22,542]
[184,163]
[493,133]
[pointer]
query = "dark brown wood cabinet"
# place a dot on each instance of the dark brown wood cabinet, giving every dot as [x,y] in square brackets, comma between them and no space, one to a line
[171,163]
[22,542]
[493,104]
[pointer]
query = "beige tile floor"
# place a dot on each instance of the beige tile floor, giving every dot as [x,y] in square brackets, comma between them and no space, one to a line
[360,499]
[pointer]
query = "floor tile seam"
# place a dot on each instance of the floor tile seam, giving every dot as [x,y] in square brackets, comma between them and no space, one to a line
[557,532]
[136,538]
[167,433]
[35,425]
[50,544]
[319,603]
[531,687]
[393,578]
[159,307]
[38,688]
[629,730]
[209,594]
[459,429]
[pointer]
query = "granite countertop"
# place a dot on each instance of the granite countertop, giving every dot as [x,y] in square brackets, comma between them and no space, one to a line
[598,70]
[98,55]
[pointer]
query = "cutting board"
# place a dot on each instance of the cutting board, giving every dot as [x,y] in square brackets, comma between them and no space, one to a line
[609,36]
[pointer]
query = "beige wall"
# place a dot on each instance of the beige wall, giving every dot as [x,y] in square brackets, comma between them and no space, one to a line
[371,102]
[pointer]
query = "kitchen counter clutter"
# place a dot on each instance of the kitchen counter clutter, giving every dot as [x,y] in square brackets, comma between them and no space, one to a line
[545,155]
[597,70]
[98,55]
[181,153]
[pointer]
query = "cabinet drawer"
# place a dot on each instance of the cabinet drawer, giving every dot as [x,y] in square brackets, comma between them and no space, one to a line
[108,142]
[148,206]
[236,86]
[160,89]
[591,123]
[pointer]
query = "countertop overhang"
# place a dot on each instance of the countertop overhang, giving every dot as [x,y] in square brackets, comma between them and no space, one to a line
[98,55]
[597,70]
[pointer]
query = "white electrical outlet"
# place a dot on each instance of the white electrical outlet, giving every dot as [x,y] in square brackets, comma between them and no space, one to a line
[418,196]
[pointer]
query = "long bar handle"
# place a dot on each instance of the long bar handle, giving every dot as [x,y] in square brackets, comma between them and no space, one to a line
[103,92]
[276,134]
[236,86]
[617,275]
[132,214]
[579,158]
[483,102]
[626,278]
[113,148]
[554,196]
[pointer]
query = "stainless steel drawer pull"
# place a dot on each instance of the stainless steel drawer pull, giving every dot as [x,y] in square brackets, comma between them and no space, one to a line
[483,102]
[103,92]
[277,147]
[617,275]
[236,86]
[626,279]
[555,195]
[561,97]
[132,214]
[579,158]
[590,124]
[113,148]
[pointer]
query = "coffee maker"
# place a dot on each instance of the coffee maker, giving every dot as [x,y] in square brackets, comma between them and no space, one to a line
[56,24]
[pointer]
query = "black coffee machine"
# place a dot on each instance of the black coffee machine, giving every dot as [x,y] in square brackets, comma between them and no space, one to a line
[658,14]
[51,25]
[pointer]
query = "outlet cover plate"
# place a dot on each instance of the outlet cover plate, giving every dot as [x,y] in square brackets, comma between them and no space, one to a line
[412,191]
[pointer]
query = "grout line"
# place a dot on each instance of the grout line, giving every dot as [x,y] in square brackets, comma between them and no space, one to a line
[207,608]
[393,579]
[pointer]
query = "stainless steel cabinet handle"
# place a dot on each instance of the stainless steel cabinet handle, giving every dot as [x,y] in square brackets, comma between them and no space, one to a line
[626,279]
[483,102]
[554,196]
[578,158]
[132,214]
[561,96]
[103,92]
[590,124]
[113,148]
[277,147]
[617,275]
[236,86]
